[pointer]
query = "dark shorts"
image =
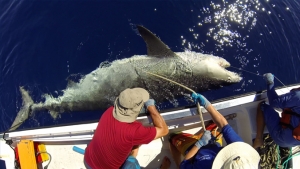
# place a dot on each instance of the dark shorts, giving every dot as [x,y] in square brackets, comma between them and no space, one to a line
[131,163]
[86,165]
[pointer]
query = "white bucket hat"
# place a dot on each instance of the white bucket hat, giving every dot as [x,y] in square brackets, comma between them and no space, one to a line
[129,104]
[237,155]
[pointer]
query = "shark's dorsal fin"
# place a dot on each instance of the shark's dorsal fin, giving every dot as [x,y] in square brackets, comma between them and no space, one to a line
[155,47]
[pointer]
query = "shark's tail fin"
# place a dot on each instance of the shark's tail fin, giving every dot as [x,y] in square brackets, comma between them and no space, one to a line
[25,110]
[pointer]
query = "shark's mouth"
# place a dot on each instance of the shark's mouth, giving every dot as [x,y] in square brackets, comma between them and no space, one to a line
[209,66]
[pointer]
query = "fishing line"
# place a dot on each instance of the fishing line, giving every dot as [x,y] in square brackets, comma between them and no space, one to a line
[257,74]
[246,71]
[198,105]
[279,81]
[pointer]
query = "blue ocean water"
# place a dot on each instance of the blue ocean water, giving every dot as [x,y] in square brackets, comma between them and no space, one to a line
[43,43]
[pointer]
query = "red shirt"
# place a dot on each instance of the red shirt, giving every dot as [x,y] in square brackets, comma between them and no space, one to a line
[113,140]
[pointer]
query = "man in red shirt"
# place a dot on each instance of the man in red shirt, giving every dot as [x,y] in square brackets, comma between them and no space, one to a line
[118,131]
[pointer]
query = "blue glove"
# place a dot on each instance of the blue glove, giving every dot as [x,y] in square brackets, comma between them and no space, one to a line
[201,99]
[204,139]
[149,102]
[269,78]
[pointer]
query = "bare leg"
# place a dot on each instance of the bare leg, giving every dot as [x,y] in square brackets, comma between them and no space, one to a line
[260,125]
[166,163]
[175,154]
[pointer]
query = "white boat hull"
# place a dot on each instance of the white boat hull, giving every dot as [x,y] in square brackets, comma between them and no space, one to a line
[60,140]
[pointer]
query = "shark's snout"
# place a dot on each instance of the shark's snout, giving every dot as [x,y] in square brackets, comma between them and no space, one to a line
[222,62]
[233,77]
[214,69]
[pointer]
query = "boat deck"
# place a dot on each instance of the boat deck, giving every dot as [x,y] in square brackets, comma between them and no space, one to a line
[149,156]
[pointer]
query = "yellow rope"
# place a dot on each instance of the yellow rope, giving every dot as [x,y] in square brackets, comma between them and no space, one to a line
[198,105]
[169,80]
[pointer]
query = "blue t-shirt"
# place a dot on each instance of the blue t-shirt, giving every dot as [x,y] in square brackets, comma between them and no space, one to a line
[206,155]
[289,100]
[282,137]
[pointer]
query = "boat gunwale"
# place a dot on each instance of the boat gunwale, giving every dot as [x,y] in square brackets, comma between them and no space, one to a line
[70,131]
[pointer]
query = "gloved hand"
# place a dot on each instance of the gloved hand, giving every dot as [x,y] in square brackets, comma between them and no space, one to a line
[201,99]
[269,78]
[204,139]
[149,102]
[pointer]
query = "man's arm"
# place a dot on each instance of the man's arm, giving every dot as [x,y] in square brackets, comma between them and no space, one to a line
[191,153]
[283,101]
[274,99]
[217,117]
[158,122]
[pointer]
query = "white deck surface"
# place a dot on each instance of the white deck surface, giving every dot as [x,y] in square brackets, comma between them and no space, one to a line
[149,155]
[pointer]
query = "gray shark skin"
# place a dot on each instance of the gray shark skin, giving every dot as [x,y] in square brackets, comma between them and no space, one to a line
[98,89]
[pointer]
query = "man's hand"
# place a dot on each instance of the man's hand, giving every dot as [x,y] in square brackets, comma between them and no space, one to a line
[149,102]
[206,137]
[200,143]
[269,78]
[201,99]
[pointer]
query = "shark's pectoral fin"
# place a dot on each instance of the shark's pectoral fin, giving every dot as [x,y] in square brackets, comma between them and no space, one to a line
[155,47]
[54,114]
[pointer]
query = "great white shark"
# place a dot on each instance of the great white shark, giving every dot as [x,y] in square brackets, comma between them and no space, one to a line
[98,89]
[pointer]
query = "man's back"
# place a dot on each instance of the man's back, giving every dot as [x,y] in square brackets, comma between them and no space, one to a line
[288,100]
[113,141]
